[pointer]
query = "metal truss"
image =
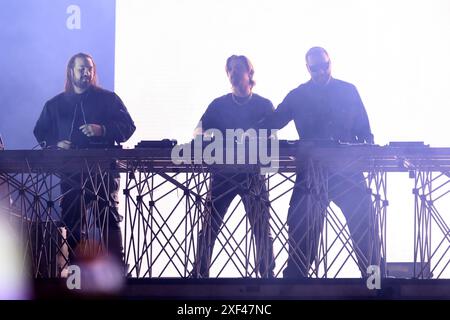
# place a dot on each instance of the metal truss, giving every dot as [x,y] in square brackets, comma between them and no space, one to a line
[331,247]
[31,202]
[431,229]
[180,222]
[165,213]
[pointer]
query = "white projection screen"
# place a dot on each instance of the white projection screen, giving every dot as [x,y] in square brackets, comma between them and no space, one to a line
[170,58]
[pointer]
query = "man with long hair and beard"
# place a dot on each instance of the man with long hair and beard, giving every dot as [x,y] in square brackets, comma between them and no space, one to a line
[86,116]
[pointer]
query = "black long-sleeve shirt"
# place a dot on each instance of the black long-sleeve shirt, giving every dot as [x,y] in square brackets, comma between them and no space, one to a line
[224,113]
[331,112]
[64,114]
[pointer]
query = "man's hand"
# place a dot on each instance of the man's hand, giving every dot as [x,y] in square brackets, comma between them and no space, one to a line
[64,144]
[92,130]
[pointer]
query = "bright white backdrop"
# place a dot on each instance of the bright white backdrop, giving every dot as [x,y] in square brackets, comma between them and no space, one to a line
[170,57]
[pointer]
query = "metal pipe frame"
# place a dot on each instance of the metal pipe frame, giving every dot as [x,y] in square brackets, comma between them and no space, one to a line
[166,206]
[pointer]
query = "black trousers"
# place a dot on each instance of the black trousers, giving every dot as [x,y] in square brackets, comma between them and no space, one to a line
[305,220]
[255,198]
[89,203]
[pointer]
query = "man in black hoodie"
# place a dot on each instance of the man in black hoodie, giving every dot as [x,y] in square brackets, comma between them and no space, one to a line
[86,116]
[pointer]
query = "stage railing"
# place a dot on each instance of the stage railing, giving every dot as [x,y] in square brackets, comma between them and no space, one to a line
[167,206]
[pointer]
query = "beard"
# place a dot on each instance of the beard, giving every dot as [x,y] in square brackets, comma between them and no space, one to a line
[83,82]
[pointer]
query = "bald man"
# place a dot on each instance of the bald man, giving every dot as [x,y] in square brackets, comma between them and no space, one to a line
[325,108]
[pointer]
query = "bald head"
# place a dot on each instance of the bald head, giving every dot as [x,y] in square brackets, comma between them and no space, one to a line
[315,51]
[318,65]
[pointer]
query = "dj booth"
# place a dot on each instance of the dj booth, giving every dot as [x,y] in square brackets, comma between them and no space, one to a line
[165,203]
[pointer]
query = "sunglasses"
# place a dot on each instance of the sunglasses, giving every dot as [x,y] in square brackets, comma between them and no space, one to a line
[320,66]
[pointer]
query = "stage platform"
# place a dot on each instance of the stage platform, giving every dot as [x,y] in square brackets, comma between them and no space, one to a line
[257,289]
